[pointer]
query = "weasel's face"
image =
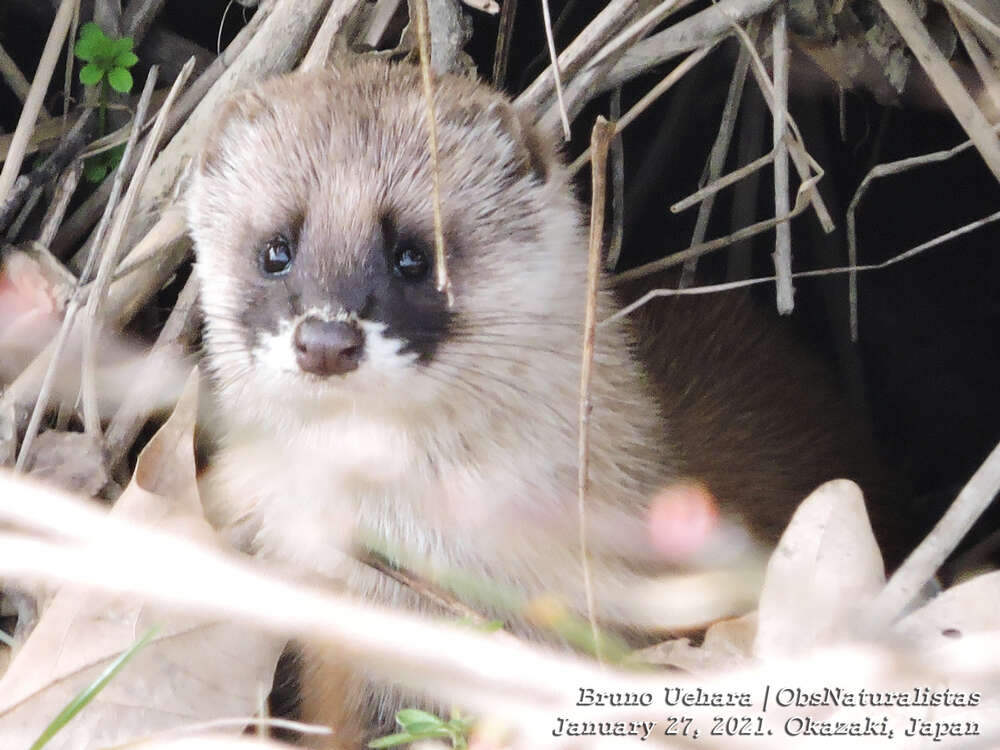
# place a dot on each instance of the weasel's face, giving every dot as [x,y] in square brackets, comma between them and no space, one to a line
[313,217]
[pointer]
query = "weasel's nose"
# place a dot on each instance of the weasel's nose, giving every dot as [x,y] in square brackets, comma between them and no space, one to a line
[328,347]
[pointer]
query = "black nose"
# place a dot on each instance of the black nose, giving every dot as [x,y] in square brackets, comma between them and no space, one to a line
[327,347]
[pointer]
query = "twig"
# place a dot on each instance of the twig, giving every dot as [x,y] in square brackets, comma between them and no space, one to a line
[704,27]
[739,284]
[945,80]
[782,232]
[717,156]
[600,140]
[796,147]
[29,205]
[138,16]
[925,560]
[65,188]
[801,203]
[876,172]
[68,67]
[319,54]
[982,65]
[426,589]
[68,149]
[637,30]
[556,74]
[36,95]
[486,6]
[13,75]
[652,95]
[720,183]
[617,186]
[45,390]
[975,16]
[424,37]
[108,260]
[612,18]
[501,53]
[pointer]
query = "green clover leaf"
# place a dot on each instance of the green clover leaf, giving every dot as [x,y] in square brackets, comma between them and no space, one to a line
[120,80]
[91,74]
[126,59]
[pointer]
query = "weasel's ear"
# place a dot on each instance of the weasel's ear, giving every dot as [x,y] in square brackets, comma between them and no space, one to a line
[241,109]
[534,152]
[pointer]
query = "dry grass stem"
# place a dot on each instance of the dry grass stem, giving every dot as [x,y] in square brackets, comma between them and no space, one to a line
[556,74]
[987,73]
[717,156]
[501,54]
[704,27]
[109,257]
[945,80]
[885,170]
[613,17]
[923,563]
[486,6]
[324,45]
[600,140]
[617,162]
[425,588]
[802,201]
[427,79]
[720,183]
[107,254]
[796,145]
[36,96]
[65,188]
[738,284]
[13,76]
[782,256]
[975,16]
[652,95]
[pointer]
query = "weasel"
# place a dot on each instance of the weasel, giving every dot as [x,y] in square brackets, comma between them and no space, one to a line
[354,402]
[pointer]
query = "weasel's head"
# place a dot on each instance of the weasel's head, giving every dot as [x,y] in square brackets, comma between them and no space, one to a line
[312,212]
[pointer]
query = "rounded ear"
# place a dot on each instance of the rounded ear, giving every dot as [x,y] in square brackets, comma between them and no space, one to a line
[242,108]
[535,152]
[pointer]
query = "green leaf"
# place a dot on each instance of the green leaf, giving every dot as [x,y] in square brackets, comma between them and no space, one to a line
[122,44]
[120,80]
[126,59]
[422,727]
[91,30]
[86,50]
[391,740]
[410,716]
[90,692]
[114,155]
[95,170]
[91,74]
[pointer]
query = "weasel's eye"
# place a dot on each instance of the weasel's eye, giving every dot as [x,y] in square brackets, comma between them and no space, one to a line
[410,262]
[276,257]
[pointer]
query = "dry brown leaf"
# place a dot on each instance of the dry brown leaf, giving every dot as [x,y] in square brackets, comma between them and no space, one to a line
[727,645]
[193,670]
[966,609]
[825,568]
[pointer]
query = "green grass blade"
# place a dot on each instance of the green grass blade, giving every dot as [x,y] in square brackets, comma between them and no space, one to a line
[88,693]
